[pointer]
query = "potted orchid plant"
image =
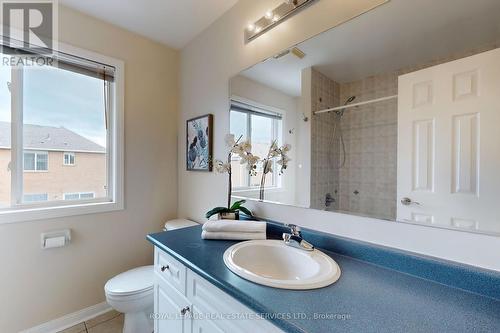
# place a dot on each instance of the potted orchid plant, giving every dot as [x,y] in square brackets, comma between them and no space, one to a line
[275,153]
[244,150]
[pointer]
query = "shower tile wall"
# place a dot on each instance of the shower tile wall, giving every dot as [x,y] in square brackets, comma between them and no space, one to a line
[324,154]
[366,185]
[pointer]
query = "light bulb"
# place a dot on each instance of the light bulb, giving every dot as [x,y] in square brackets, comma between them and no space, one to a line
[276,18]
[251,27]
[269,14]
[258,29]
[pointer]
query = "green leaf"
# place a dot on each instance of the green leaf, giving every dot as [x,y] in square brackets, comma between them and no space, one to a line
[217,210]
[246,211]
[237,204]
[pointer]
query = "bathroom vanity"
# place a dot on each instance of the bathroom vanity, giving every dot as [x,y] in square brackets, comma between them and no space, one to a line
[380,289]
[186,302]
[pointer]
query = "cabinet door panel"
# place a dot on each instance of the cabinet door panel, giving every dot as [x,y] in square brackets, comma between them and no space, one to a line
[168,306]
[170,270]
[234,316]
[201,325]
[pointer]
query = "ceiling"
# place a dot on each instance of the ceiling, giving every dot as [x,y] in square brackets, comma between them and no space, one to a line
[171,22]
[393,36]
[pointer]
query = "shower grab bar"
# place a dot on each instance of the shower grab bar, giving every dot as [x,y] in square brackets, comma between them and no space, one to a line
[356,104]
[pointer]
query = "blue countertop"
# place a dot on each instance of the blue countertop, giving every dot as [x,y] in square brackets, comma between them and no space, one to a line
[367,298]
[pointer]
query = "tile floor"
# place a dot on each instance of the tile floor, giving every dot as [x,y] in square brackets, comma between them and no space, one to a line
[109,322]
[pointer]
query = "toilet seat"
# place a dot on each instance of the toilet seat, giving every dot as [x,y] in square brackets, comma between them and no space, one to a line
[136,281]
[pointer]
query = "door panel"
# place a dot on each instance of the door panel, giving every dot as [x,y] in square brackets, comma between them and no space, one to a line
[423,155]
[448,144]
[465,160]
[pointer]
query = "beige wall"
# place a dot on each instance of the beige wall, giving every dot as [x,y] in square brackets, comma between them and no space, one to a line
[218,54]
[37,286]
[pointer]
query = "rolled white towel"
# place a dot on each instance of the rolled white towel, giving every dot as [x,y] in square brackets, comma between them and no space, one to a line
[233,235]
[235,226]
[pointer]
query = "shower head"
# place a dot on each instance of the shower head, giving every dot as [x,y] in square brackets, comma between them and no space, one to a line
[340,113]
[350,100]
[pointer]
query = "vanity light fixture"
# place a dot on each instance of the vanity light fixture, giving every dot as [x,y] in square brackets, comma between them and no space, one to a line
[251,27]
[274,17]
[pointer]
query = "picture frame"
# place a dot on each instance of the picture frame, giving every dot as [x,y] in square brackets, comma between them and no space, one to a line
[199,143]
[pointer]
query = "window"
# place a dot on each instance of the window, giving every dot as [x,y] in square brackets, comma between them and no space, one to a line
[27,198]
[85,196]
[36,161]
[69,159]
[56,110]
[261,127]
[79,196]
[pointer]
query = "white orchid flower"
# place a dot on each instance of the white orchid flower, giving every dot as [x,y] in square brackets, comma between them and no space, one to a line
[243,159]
[222,167]
[252,159]
[230,141]
[238,149]
[246,146]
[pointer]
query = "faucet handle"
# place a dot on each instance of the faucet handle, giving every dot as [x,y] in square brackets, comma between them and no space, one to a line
[295,229]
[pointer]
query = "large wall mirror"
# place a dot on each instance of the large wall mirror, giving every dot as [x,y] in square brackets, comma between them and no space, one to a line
[393,115]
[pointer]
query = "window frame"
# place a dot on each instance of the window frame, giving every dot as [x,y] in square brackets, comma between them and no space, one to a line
[257,109]
[36,153]
[35,194]
[23,212]
[70,155]
[79,196]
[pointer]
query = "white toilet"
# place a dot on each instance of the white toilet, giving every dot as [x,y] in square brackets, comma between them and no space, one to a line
[131,292]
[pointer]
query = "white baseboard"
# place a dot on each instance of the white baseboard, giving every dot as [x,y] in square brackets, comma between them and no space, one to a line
[71,319]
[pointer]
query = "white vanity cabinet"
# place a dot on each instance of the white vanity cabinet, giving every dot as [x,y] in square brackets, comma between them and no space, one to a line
[184,302]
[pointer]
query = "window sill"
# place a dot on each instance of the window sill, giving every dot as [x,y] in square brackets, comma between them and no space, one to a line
[41,213]
[257,189]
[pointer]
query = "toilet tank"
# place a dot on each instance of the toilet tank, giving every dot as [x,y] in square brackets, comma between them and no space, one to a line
[178,224]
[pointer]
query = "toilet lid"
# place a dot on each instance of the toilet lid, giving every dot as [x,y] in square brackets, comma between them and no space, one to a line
[134,281]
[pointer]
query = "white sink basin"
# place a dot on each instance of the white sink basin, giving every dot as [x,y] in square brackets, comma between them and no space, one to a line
[274,264]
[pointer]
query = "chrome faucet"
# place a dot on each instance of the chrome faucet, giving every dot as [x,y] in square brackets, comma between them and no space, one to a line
[294,238]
